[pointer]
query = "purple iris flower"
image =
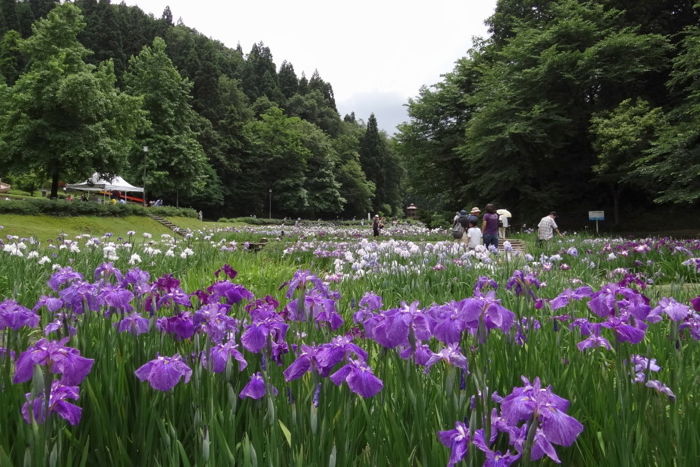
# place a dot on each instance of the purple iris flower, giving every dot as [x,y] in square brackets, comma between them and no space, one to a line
[542,446]
[262,308]
[58,324]
[420,353]
[134,323]
[63,276]
[692,324]
[448,321]
[593,341]
[59,359]
[35,407]
[660,387]
[173,296]
[14,316]
[359,377]
[324,357]
[228,270]
[167,283]
[402,325]
[493,458]
[181,325]
[495,316]
[641,366]
[117,299]
[138,279]
[565,297]
[612,300]
[523,283]
[256,334]
[457,440]
[671,308]
[372,302]
[450,355]
[696,303]
[52,304]
[299,281]
[220,354]
[482,283]
[230,292]
[82,297]
[163,373]
[213,320]
[106,270]
[303,363]
[623,331]
[548,410]
[316,306]
[369,304]
[256,388]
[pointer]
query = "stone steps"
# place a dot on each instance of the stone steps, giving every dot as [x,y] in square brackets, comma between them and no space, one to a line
[516,244]
[168,224]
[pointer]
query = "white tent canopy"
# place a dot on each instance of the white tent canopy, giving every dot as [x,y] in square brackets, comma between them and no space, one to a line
[97,183]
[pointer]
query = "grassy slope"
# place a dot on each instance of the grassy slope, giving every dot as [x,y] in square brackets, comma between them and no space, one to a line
[47,227]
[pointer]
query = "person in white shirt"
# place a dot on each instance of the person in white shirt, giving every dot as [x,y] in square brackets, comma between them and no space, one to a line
[474,235]
[547,227]
[504,225]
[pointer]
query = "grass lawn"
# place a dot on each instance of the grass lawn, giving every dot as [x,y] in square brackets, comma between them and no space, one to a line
[47,227]
[196,224]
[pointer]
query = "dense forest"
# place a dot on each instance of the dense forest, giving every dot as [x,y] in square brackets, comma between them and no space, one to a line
[568,105]
[90,86]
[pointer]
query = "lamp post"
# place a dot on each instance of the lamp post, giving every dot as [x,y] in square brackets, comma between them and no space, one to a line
[269,214]
[145,156]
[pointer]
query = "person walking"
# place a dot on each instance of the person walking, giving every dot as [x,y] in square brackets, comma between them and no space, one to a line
[489,226]
[503,224]
[460,226]
[546,228]
[376,225]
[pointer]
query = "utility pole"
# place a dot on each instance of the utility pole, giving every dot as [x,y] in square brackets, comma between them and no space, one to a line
[145,158]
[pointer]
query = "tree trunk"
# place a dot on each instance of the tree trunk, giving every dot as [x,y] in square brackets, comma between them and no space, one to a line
[616,195]
[54,182]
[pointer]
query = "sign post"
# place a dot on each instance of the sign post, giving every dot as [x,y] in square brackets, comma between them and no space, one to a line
[596,216]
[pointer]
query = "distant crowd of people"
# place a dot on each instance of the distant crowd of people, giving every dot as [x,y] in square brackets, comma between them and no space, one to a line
[494,224]
[473,229]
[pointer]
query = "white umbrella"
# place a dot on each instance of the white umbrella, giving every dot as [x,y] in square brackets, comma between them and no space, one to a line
[504,212]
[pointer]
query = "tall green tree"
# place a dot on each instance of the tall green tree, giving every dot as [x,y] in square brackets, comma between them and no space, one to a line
[175,166]
[289,83]
[528,145]
[63,116]
[11,61]
[672,164]
[295,160]
[8,9]
[620,138]
[381,165]
[259,75]
[355,188]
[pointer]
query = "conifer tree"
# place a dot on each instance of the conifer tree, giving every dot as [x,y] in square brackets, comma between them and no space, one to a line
[175,165]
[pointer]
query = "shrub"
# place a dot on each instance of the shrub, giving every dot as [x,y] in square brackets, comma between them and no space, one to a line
[81,208]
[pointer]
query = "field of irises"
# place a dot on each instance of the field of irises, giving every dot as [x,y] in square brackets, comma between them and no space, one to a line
[329,347]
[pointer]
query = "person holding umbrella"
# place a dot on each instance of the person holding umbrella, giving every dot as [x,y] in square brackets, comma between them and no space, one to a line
[503,224]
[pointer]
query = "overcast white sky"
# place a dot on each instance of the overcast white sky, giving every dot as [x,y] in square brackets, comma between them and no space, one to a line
[375,53]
